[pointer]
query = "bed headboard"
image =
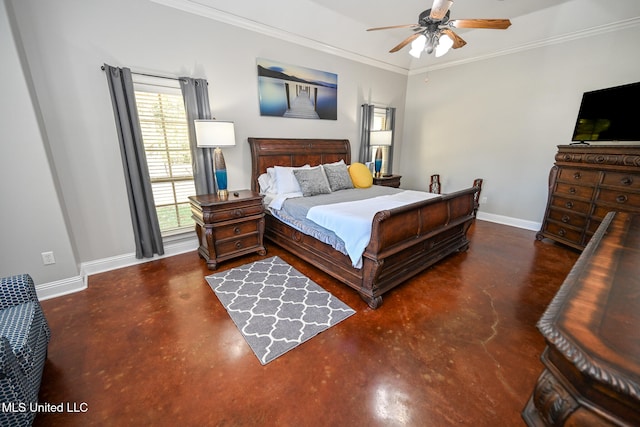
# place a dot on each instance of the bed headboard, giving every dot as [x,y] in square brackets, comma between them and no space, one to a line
[269,152]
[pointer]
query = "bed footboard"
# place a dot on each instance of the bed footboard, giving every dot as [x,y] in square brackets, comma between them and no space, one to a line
[404,242]
[407,240]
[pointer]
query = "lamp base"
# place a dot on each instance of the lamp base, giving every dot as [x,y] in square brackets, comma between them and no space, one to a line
[223,194]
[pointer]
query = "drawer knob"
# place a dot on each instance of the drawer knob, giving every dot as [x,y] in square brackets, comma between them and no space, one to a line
[572,190]
[238,212]
[622,198]
[626,180]
[569,205]
[236,230]
[566,218]
[577,175]
[562,232]
[238,245]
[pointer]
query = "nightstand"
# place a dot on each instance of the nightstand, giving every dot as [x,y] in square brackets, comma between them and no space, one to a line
[388,180]
[228,227]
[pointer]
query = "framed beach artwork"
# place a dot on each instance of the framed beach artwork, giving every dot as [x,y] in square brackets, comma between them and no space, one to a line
[296,92]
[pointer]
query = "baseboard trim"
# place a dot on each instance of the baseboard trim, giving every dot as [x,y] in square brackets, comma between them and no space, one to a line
[506,220]
[60,287]
[76,284]
[179,246]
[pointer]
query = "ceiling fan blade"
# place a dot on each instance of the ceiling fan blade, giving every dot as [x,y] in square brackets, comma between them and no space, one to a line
[393,26]
[494,24]
[440,9]
[457,40]
[405,42]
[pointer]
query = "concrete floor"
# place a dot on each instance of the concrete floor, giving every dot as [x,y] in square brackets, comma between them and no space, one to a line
[457,345]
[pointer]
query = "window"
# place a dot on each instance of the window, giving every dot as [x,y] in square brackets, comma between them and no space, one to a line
[379,122]
[166,142]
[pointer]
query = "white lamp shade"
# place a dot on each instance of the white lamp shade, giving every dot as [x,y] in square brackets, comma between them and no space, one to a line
[214,133]
[417,46]
[380,137]
[444,44]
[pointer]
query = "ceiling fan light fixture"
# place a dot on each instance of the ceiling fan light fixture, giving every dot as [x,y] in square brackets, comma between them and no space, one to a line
[444,44]
[417,46]
[432,42]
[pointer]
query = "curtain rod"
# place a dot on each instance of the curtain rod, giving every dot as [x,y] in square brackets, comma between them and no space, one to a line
[149,75]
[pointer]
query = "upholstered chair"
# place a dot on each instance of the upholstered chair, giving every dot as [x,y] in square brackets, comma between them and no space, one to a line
[24,337]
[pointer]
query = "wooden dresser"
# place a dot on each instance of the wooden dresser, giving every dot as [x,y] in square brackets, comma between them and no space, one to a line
[587,182]
[228,227]
[592,331]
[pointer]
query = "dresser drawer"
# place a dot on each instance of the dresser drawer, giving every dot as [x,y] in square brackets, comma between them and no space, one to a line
[621,199]
[623,180]
[570,204]
[575,190]
[236,229]
[563,232]
[581,176]
[570,218]
[229,246]
[218,215]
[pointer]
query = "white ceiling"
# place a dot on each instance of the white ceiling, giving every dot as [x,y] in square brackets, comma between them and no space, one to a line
[339,26]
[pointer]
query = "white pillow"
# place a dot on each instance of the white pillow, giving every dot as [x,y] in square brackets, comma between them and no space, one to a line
[284,180]
[266,183]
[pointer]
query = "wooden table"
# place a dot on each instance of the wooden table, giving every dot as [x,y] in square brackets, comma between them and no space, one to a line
[228,227]
[592,331]
[387,180]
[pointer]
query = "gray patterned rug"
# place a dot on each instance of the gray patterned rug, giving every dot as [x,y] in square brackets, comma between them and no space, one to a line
[275,306]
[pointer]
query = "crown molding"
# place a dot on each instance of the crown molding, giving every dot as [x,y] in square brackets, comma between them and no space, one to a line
[208,12]
[247,24]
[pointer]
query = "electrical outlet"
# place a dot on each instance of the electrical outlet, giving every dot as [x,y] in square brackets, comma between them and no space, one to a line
[483,200]
[48,258]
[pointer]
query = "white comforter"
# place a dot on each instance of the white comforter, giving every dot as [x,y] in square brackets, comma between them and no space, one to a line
[351,221]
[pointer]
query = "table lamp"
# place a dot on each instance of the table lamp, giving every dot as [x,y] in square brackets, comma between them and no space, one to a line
[216,133]
[380,138]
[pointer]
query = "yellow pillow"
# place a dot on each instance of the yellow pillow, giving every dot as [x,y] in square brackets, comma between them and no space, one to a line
[360,175]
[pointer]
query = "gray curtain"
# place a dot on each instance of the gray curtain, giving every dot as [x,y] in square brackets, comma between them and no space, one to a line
[196,103]
[391,125]
[146,228]
[365,127]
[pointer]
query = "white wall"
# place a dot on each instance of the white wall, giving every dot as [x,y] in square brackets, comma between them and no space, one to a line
[501,119]
[31,218]
[67,41]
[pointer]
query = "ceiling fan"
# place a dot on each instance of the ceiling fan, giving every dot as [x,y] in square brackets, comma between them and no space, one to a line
[433,30]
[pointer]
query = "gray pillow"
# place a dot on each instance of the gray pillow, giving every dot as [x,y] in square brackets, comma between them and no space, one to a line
[312,181]
[338,176]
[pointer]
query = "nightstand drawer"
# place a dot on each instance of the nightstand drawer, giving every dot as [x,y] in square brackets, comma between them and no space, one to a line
[236,229]
[230,246]
[219,215]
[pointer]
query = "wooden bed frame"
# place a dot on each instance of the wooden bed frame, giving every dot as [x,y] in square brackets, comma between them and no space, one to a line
[404,241]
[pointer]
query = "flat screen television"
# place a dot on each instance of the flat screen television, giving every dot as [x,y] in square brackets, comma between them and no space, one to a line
[609,115]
